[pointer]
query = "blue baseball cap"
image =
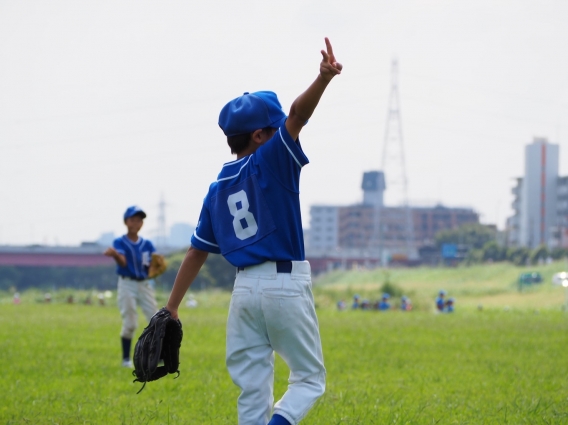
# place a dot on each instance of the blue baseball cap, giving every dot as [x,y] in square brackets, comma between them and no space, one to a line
[250,112]
[442,292]
[132,211]
[387,296]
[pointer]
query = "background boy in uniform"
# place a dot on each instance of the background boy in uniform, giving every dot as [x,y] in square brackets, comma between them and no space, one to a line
[449,306]
[384,305]
[251,216]
[405,303]
[441,301]
[133,255]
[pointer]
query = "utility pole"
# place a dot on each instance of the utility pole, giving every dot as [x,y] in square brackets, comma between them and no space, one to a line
[393,165]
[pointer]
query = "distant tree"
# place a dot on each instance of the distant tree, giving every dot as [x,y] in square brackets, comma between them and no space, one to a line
[24,277]
[540,253]
[493,252]
[215,273]
[518,256]
[9,277]
[474,256]
[472,235]
[559,253]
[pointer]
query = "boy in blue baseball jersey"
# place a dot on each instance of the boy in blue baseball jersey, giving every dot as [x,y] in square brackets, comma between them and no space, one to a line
[133,255]
[384,304]
[251,216]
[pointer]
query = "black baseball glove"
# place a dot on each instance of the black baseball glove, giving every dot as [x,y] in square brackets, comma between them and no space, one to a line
[160,341]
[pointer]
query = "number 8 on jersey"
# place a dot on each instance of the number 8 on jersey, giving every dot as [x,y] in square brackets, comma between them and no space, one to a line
[239,208]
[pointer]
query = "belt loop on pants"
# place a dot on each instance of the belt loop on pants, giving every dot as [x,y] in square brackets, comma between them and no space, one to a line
[281,267]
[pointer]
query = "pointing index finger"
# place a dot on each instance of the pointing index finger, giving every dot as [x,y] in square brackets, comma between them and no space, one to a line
[329,49]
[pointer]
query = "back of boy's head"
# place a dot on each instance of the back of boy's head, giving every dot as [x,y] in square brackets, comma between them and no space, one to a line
[248,113]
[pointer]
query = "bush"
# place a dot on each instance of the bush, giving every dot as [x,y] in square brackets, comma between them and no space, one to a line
[390,288]
[518,256]
[539,254]
[493,252]
[559,253]
[474,256]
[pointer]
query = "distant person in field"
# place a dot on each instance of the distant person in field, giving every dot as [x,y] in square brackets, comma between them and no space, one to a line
[356,303]
[405,303]
[384,304]
[132,255]
[341,305]
[441,301]
[449,307]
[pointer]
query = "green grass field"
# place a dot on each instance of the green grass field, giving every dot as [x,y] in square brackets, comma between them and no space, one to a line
[61,362]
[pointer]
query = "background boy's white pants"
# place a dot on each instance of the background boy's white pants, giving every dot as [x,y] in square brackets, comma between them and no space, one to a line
[270,312]
[131,293]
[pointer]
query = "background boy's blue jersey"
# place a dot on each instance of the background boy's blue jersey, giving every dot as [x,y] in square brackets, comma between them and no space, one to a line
[138,256]
[252,212]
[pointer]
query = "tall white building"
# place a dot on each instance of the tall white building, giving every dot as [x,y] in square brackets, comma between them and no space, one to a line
[536,216]
[538,199]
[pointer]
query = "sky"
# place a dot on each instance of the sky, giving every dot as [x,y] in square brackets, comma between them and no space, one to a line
[105,104]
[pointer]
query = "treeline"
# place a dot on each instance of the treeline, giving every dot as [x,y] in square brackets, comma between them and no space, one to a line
[216,273]
[24,277]
[480,244]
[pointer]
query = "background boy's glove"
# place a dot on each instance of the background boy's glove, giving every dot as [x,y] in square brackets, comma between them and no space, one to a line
[158,265]
[160,341]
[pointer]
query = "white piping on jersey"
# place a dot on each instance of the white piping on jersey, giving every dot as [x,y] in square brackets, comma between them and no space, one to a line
[289,150]
[250,156]
[129,244]
[203,240]
[234,162]
[239,172]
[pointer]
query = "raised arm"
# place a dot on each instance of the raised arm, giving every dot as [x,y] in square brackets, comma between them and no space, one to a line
[118,258]
[194,259]
[305,104]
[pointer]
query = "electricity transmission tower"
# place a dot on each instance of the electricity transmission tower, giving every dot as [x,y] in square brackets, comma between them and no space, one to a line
[393,165]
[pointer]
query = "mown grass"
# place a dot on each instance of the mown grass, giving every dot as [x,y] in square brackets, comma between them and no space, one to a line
[61,365]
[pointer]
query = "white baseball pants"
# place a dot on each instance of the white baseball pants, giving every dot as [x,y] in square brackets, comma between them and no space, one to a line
[131,293]
[274,312]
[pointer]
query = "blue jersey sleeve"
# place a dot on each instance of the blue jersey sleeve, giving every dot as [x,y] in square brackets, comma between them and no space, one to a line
[118,245]
[284,158]
[203,238]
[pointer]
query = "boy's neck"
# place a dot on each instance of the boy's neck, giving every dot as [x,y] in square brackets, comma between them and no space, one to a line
[132,236]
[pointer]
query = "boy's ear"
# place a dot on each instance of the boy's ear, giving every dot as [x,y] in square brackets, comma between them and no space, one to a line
[256,137]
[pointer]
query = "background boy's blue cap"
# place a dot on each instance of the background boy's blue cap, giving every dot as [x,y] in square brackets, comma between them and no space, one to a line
[387,296]
[250,112]
[442,292]
[132,211]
